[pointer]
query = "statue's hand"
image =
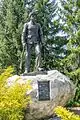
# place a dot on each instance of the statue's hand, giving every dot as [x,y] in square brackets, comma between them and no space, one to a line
[24,44]
[43,44]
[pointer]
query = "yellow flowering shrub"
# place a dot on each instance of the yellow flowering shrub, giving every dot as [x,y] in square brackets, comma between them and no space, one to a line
[13,99]
[65,114]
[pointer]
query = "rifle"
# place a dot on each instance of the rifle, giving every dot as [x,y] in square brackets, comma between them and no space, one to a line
[22,55]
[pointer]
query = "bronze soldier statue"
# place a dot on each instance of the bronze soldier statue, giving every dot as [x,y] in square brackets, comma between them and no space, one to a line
[32,37]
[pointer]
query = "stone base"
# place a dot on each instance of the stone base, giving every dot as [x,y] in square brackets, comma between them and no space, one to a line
[35,73]
[61,90]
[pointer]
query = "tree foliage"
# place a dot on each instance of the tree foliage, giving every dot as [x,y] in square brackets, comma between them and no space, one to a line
[12,17]
[71,64]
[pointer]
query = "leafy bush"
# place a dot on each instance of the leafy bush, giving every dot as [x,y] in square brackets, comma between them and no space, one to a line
[73,103]
[13,99]
[65,114]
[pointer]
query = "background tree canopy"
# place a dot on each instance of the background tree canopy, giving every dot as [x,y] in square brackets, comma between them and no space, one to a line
[13,15]
[61,29]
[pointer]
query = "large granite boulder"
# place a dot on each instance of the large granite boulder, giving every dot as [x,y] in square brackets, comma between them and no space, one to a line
[49,90]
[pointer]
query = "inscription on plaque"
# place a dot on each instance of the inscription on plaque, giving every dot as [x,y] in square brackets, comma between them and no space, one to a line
[44,90]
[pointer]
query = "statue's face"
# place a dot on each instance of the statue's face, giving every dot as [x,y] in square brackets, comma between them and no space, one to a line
[32,18]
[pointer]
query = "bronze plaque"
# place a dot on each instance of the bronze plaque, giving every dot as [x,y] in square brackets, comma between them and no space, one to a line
[44,90]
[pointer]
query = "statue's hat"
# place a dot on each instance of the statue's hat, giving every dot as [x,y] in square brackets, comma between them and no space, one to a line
[33,13]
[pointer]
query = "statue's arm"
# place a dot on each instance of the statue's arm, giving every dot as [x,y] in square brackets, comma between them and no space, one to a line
[24,34]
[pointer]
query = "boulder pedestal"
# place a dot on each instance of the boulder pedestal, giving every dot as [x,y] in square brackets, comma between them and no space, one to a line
[48,91]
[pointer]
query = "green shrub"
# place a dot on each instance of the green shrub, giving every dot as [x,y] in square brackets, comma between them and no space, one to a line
[13,99]
[65,114]
[73,103]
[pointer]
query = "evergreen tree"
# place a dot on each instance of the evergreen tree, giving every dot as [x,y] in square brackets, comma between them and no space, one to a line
[13,15]
[71,64]
[12,18]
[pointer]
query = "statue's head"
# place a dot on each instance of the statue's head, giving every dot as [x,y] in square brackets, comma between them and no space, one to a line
[32,15]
